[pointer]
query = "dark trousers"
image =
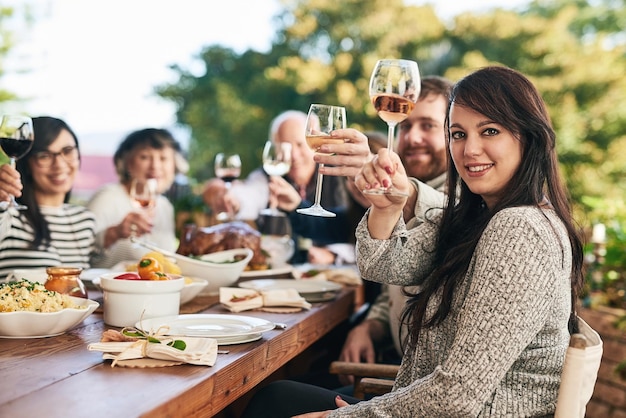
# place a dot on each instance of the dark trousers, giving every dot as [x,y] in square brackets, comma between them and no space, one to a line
[286,398]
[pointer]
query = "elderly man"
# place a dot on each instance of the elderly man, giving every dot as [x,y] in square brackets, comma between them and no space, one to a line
[295,190]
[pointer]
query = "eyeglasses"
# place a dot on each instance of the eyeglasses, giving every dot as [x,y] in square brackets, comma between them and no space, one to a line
[45,159]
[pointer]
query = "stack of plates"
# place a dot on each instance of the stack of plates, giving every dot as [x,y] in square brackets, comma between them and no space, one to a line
[286,269]
[311,290]
[226,329]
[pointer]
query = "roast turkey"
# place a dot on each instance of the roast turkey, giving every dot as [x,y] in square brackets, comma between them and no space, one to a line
[227,236]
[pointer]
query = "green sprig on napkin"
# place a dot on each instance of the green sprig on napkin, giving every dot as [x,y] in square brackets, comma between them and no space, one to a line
[140,335]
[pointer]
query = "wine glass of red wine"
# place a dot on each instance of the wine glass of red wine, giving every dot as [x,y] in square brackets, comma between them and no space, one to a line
[16,139]
[228,168]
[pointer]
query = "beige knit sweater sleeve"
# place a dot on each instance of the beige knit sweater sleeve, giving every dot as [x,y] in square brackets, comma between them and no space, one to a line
[500,351]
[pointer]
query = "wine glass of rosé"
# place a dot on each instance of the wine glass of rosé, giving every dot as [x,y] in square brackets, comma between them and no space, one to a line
[227,166]
[320,122]
[276,162]
[143,193]
[394,89]
[16,139]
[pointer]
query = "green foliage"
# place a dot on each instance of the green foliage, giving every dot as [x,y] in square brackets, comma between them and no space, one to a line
[324,50]
[21,12]
[606,275]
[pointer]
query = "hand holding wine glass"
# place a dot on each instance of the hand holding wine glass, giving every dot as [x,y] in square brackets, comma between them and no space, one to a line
[394,89]
[320,122]
[16,139]
[228,168]
[276,162]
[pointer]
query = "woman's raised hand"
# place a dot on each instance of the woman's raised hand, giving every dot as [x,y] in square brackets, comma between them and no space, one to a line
[385,170]
[10,183]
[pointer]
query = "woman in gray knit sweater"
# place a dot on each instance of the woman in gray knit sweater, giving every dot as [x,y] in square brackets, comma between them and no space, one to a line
[499,268]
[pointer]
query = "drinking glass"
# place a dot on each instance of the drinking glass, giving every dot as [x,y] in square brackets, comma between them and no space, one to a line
[321,120]
[16,139]
[276,162]
[228,168]
[394,89]
[143,193]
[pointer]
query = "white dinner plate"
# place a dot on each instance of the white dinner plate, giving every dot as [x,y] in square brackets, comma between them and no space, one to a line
[311,290]
[238,340]
[218,326]
[302,286]
[267,273]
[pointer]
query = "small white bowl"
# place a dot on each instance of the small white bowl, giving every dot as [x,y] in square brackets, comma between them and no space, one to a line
[192,289]
[218,268]
[128,301]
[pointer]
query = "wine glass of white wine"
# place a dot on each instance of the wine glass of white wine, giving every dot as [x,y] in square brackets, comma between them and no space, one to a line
[394,89]
[16,139]
[276,162]
[228,168]
[320,122]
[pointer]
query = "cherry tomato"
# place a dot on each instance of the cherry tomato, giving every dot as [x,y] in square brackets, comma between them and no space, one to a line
[128,276]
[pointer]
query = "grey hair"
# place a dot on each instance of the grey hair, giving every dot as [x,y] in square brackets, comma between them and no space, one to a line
[282,117]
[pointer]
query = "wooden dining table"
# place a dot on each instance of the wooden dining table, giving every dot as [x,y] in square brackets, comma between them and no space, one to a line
[59,377]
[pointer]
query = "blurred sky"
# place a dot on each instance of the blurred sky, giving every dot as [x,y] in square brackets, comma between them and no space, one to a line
[95,63]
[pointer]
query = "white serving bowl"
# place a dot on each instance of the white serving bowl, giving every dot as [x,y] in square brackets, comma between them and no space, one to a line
[128,301]
[44,324]
[192,288]
[217,268]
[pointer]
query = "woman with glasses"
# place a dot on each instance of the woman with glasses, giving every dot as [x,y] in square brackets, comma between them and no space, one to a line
[51,231]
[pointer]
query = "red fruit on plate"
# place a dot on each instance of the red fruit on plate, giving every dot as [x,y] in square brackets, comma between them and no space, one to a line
[128,276]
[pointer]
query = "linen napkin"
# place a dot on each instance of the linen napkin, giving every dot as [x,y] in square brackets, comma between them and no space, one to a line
[198,351]
[237,299]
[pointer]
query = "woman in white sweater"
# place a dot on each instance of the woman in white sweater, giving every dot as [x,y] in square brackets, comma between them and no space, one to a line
[144,154]
[498,269]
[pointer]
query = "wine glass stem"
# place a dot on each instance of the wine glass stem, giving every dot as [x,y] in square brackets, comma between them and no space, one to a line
[13,202]
[390,135]
[318,186]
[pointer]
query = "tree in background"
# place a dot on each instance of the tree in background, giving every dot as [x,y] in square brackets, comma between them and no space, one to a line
[324,51]
[7,41]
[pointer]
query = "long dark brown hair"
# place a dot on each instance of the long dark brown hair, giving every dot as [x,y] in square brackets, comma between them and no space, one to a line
[47,129]
[506,97]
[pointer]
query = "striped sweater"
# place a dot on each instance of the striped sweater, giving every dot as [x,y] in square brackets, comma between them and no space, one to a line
[72,239]
[500,351]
